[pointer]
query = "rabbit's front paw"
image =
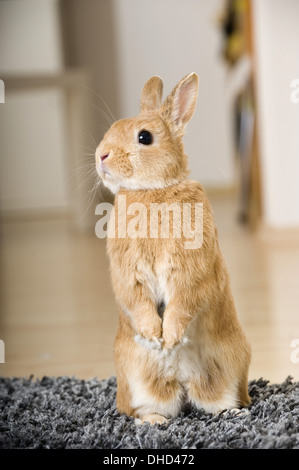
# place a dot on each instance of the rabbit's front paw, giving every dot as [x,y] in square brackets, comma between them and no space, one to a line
[151,330]
[170,339]
[172,334]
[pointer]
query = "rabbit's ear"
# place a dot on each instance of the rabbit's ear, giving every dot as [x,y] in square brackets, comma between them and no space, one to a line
[151,96]
[179,106]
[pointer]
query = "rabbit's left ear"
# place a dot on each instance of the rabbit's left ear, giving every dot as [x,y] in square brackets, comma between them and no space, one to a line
[151,96]
[179,106]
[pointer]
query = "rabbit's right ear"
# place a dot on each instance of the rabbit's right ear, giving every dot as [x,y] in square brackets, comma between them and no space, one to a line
[179,106]
[151,96]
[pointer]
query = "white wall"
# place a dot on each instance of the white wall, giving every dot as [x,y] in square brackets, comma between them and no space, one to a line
[277,50]
[32,140]
[29,36]
[172,38]
[33,153]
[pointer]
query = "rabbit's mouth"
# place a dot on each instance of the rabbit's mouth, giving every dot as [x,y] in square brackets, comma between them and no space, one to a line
[105,171]
[102,169]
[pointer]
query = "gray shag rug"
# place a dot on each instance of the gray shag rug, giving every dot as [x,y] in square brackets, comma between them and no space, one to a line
[70,413]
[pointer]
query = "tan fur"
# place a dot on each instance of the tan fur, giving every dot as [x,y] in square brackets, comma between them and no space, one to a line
[197,351]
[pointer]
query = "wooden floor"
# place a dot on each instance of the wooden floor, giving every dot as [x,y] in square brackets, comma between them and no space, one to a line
[59,317]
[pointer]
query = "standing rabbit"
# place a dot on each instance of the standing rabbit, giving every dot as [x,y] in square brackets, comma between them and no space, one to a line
[179,339]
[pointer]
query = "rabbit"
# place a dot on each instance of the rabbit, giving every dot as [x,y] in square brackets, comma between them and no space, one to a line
[179,341]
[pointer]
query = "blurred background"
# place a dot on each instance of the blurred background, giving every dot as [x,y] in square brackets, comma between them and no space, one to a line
[69,68]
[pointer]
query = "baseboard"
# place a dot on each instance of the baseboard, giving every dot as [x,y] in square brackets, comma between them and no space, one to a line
[212,191]
[27,215]
[288,236]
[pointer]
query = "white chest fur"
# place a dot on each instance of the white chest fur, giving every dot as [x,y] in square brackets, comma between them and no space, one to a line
[156,278]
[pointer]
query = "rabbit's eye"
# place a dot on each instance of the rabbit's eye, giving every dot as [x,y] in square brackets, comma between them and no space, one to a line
[145,138]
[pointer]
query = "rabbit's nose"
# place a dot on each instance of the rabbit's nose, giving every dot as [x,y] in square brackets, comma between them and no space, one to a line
[103,157]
